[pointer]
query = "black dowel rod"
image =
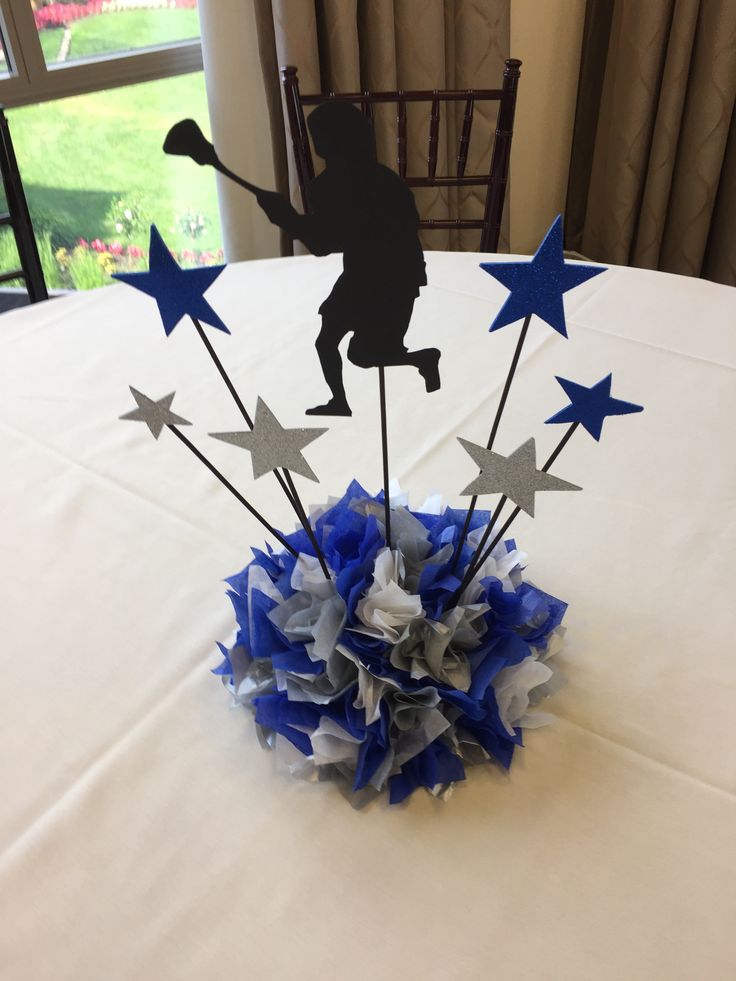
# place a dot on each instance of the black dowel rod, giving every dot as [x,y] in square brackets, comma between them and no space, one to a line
[494,429]
[384,450]
[223,374]
[239,402]
[477,563]
[285,480]
[236,494]
[495,515]
[306,525]
[509,379]
[560,447]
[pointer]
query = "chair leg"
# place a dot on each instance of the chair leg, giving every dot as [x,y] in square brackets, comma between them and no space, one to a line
[299,135]
[20,218]
[501,154]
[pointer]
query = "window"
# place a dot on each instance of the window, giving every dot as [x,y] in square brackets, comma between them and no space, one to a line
[61,48]
[71,33]
[91,89]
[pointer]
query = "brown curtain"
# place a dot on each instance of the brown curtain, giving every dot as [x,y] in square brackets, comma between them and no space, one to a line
[653,166]
[352,45]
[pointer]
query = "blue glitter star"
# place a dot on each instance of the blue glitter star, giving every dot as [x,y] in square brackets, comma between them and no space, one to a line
[537,286]
[178,292]
[590,406]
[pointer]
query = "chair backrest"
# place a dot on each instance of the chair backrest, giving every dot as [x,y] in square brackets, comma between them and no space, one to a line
[19,219]
[495,180]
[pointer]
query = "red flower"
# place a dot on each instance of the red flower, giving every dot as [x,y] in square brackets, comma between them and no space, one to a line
[98,245]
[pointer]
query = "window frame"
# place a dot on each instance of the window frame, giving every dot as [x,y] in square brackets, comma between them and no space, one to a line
[31,80]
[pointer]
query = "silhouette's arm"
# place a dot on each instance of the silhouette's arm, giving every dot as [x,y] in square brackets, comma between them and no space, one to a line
[316,231]
[186,139]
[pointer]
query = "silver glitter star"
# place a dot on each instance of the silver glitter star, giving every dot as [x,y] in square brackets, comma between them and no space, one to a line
[271,446]
[515,475]
[156,415]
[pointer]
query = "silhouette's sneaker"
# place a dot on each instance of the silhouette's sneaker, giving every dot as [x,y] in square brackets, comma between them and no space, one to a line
[334,407]
[429,369]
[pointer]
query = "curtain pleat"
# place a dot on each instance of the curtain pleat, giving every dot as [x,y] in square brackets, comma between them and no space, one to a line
[270,68]
[339,45]
[665,136]
[720,257]
[658,191]
[594,50]
[701,151]
[479,36]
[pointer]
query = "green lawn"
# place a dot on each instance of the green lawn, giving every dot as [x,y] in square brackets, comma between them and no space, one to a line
[123,30]
[78,155]
[129,29]
[51,42]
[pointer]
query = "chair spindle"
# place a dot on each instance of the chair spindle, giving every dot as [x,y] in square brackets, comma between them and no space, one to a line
[434,134]
[299,136]
[401,138]
[462,153]
[19,219]
[495,180]
[500,158]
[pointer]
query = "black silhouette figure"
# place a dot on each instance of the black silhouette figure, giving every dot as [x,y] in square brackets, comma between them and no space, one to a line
[367,212]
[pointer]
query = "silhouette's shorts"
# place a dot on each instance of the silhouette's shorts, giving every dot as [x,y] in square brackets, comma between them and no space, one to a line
[378,318]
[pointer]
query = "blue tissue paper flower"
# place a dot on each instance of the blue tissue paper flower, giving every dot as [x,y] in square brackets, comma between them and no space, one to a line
[385,676]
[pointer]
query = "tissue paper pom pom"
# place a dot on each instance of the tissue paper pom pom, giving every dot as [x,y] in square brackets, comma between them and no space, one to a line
[378,676]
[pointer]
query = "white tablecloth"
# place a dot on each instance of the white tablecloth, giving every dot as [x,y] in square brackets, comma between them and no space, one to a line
[143,832]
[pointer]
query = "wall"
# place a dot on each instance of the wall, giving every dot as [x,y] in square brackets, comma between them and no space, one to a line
[546,35]
[239,121]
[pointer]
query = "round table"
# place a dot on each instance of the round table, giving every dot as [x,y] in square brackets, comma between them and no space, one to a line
[145,834]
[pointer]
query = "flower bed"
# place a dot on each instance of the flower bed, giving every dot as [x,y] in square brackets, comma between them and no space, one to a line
[62,14]
[91,264]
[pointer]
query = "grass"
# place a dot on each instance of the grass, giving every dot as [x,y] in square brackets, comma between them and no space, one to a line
[127,30]
[123,30]
[51,42]
[9,259]
[78,155]
[9,256]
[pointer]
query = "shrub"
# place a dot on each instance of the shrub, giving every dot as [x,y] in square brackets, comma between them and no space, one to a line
[128,218]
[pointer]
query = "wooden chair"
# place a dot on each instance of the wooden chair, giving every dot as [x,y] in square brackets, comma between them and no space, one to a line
[495,181]
[19,219]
